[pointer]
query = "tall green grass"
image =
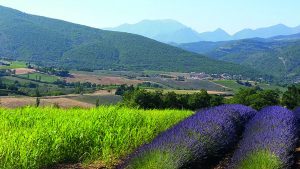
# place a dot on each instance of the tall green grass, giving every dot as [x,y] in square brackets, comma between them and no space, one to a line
[38,137]
[260,160]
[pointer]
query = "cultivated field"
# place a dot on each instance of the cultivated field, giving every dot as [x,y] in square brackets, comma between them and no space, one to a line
[15,65]
[190,91]
[102,80]
[42,137]
[66,101]
[22,71]
[42,77]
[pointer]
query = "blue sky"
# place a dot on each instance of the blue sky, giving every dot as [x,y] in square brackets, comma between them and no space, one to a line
[201,15]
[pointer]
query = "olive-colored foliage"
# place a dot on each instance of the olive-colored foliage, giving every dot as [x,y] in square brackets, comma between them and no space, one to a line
[157,100]
[38,137]
[256,98]
[291,98]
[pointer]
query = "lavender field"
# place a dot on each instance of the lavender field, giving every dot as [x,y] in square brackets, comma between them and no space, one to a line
[246,138]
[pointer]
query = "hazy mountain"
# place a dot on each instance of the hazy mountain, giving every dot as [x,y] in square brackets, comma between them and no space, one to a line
[267,32]
[279,56]
[52,42]
[182,35]
[161,30]
[286,37]
[171,31]
[217,35]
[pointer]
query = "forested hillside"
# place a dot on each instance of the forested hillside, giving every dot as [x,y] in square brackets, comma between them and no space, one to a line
[57,43]
[278,56]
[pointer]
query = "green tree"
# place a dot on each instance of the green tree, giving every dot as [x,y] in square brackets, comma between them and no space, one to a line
[256,98]
[37,92]
[170,100]
[264,98]
[291,98]
[97,102]
[199,100]
[216,100]
[37,102]
[242,96]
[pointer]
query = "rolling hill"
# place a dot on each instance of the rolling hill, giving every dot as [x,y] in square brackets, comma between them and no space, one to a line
[278,56]
[51,42]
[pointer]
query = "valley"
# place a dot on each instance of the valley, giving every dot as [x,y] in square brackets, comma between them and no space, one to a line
[200,84]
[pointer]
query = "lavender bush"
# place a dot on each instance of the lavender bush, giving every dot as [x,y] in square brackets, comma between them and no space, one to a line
[297,113]
[196,141]
[269,140]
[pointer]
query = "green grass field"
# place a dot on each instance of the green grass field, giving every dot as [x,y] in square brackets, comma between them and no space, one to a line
[15,65]
[234,86]
[230,84]
[40,77]
[39,137]
[189,84]
[180,91]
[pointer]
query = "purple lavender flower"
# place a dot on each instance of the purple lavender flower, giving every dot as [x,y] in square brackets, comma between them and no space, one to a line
[197,141]
[274,131]
[297,113]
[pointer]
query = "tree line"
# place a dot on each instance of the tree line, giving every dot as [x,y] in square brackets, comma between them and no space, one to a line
[141,98]
[253,96]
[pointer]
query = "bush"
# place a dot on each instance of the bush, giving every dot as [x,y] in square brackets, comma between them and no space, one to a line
[256,98]
[291,98]
[269,140]
[157,100]
[196,142]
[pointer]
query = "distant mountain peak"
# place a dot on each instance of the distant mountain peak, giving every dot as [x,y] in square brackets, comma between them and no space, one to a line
[164,30]
[217,35]
[266,32]
[219,30]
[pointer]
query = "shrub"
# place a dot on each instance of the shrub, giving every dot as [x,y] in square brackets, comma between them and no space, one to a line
[197,141]
[269,140]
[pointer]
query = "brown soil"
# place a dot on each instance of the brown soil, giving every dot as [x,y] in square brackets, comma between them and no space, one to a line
[97,165]
[15,102]
[216,92]
[103,80]
[297,156]
[21,71]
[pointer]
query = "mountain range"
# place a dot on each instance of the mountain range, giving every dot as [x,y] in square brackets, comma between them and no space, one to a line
[51,42]
[278,56]
[171,31]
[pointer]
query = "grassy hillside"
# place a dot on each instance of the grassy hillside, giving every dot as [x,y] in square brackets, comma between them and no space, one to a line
[277,56]
[40,137]
[51,42]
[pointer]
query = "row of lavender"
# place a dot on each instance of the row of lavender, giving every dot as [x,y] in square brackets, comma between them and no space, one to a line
[269,140]
[197,141]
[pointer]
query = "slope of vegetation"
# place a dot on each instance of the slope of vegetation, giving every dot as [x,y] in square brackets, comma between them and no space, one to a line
[40,137]
[57,43]
[277,56]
